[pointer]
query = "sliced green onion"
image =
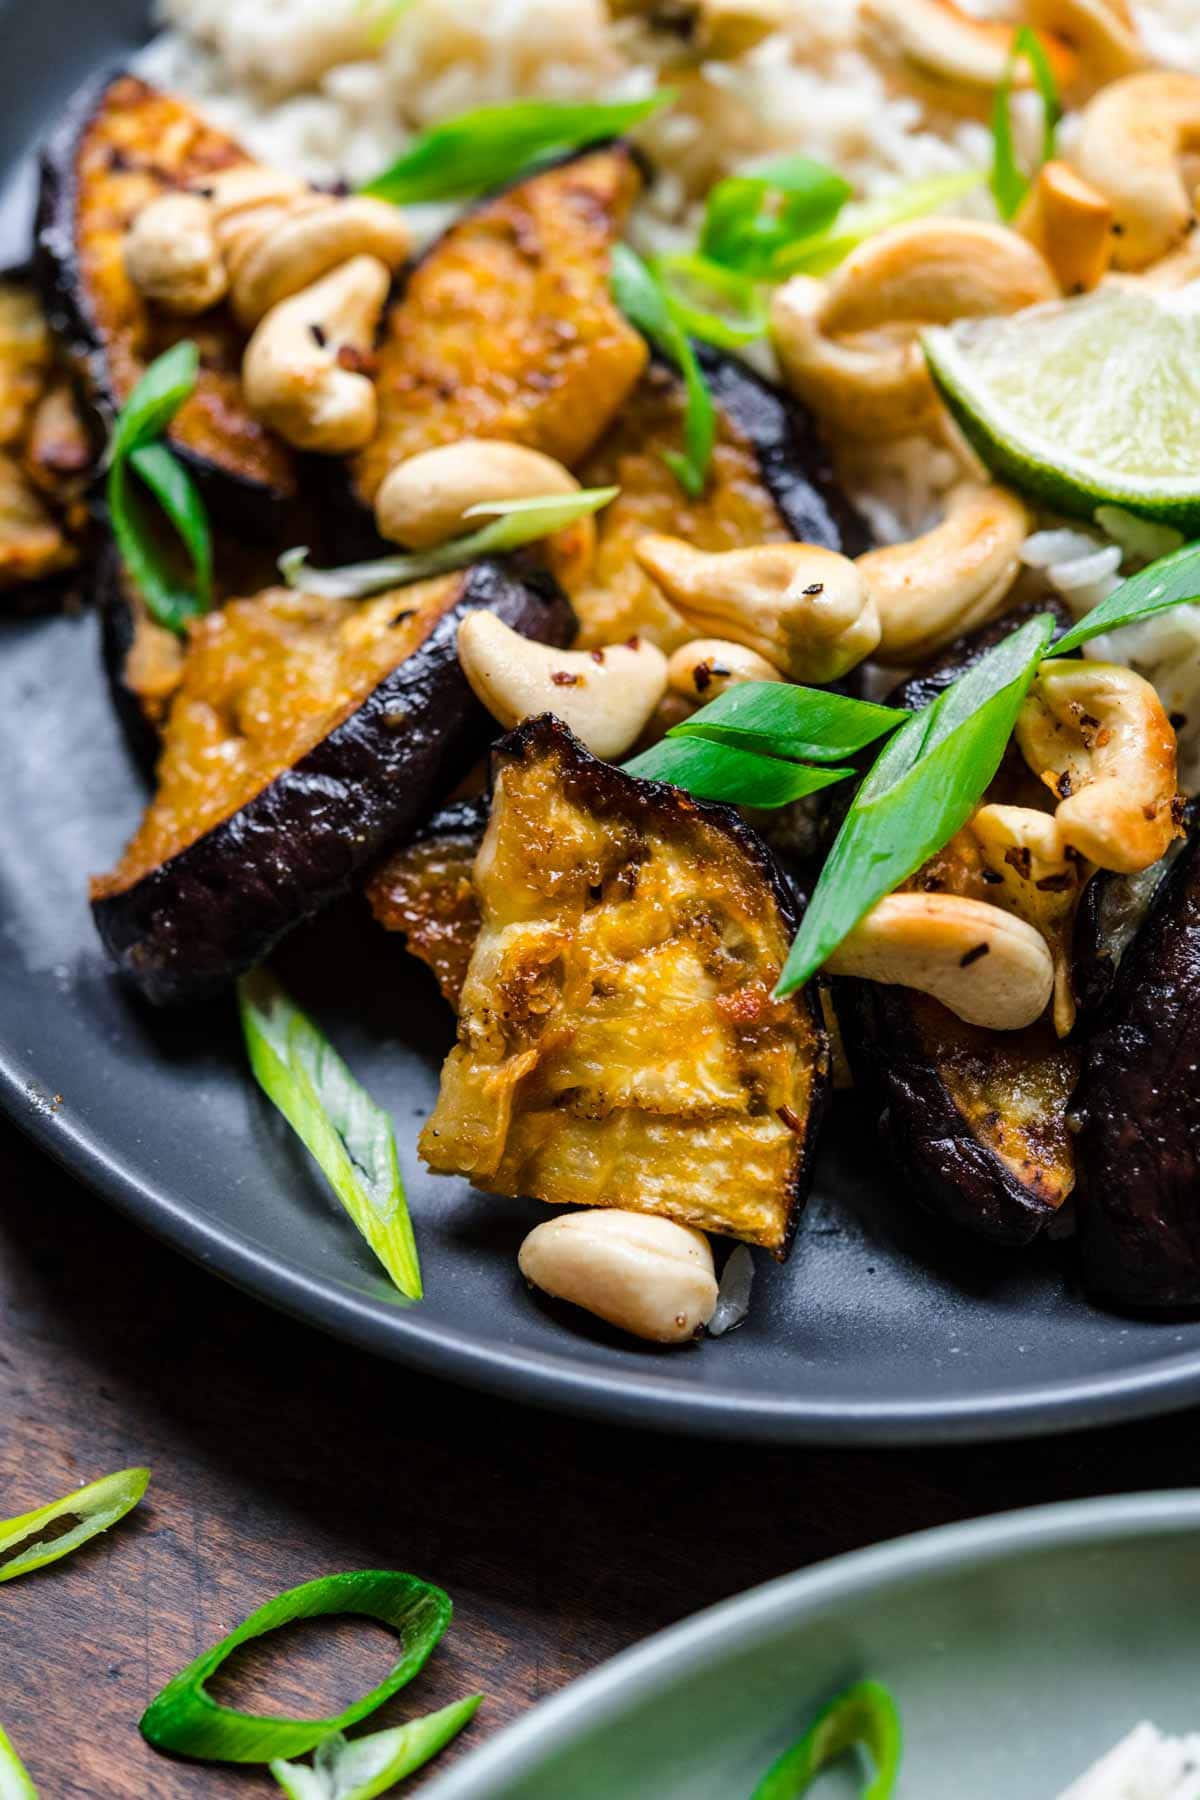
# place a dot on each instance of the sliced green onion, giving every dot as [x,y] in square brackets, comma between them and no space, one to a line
[14,1779]
[519,522]
[383,16]
[716,305]
[818,255]
[492,144]
[716,772]
[95,1508]
[350,1137]
[922,787]
[751,218]
[1171,581]
[799,723]
[1009,185]
[362,1768]
[184,1720]
[152,561]
[644,300]
[864,1717]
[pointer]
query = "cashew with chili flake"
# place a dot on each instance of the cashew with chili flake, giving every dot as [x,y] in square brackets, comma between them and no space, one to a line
[951,579]
[1034,875]
[172,255]
[605,696]
[1132,141]
[988,967]
[295,372]
[707,666]
[849,346]
[806,610]
[1070,223]
[962,56]
[644,1274]
[1098,737]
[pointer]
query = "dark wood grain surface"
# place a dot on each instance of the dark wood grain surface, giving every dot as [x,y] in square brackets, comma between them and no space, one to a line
[279,1455]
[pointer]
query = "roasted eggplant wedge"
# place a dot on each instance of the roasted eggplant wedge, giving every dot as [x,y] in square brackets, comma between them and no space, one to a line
[618,1042]
[305,738]
[425,891]
[506,327]
[42,459]
[121,144]
[770,481]
[1137,1111]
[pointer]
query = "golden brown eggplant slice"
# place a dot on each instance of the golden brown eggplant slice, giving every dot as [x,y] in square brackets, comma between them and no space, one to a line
[306,737]
[770,481]
[1137,1110]
[122,144]
[618,1043]
[40,470]
[425,890]
[506,327]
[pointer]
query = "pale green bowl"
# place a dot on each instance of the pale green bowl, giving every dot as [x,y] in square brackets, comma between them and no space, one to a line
[1019,1648]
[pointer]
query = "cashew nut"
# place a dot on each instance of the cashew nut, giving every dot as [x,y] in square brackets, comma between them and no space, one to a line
[806,610]
[424,500]
[642,1273]
[710,30]
[172,255]
[849,347]
[951,579]
[294,372]
[605,696]
[1098,737]
[1036,876]
[1102,33]
[707,666]
[1070,223]
[963,56]
[1132,141]
[985,965]
[307,242]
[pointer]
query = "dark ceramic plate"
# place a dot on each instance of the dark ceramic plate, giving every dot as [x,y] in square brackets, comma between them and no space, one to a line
[875,1330]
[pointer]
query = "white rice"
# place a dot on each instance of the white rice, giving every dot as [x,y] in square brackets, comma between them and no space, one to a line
[1144,1766]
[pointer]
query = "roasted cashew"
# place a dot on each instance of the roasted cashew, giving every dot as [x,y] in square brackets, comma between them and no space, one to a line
[1070,223]
[806,610]
[1132,141]
[294,372]
[424,500]
[642,1273]
[605,696]
[950,579]
[962,56]
[710,30]
[172,255]
[1036,876]
[985,965]
[1098,737]
[1101,33]
[707,666]
[306,243]
[849,347]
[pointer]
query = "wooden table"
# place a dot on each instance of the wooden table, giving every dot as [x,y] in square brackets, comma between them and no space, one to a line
[279,1455]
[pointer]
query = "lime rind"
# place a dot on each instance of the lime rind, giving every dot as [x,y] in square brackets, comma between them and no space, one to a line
[1115,372]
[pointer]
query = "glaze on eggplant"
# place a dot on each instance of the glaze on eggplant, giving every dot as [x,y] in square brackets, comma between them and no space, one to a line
[1111,911]
[43,459]
[618,1042]
[1137,1110]
[191,906]
[120,144]
[424,891]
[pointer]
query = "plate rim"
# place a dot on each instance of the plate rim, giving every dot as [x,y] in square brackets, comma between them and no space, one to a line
[730,1626]
[557,1383]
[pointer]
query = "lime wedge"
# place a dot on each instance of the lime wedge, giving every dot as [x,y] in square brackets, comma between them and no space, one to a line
[1084,403]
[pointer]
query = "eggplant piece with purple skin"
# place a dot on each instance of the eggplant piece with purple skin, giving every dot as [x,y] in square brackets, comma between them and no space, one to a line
[306,738]
[618,1040]
[1137,1111]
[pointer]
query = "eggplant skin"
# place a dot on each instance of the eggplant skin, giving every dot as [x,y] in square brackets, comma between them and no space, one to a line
[184,928]
[121,142]
[1137,1112]
[618,1042]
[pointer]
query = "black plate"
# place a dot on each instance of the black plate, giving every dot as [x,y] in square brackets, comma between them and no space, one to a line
[875,1330]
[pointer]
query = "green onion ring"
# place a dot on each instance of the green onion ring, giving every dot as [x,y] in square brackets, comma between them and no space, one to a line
[185,1721]
[863,1715]
[96,1507]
